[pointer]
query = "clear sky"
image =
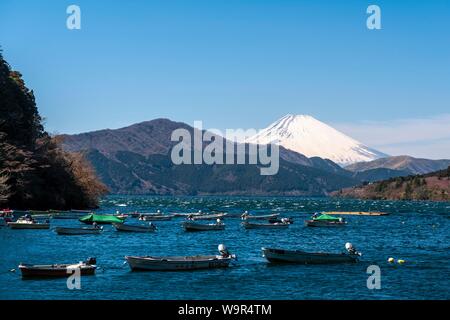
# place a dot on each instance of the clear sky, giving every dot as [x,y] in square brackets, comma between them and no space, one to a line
[240,64]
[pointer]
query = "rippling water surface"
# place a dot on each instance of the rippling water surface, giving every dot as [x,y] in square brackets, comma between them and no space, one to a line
[418,232]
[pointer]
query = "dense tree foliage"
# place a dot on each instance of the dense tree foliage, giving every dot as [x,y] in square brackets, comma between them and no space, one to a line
[34,171]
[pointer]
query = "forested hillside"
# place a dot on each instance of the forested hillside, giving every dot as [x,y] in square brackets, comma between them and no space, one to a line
[35,173]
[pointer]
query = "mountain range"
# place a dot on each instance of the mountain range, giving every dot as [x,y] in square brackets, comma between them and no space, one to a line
[136,160]
[407,164]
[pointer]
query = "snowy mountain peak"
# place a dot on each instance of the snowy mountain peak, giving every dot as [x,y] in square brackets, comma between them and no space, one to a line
[306,135]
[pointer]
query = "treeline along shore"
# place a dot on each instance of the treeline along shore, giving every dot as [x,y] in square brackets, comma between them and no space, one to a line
[35,173]
[434,186]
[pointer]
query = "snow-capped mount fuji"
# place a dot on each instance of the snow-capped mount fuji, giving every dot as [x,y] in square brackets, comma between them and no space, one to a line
[313,138]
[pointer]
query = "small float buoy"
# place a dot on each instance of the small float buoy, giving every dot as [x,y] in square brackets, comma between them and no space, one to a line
[391,260]
[400,261]
[12,270]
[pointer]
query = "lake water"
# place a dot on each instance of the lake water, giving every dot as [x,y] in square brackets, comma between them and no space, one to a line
[418,232]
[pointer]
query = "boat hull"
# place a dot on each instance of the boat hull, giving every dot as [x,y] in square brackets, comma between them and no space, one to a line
[261,217]
[301,257]
[317,223]
[177,263]
[77,231]
[190,226]
[248,225]
[130,228]
[54,271]
[156,218]
[210,216]
[14,225]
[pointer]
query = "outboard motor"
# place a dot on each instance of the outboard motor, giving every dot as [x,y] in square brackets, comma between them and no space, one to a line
[223,251]
[351,249]
[91,261]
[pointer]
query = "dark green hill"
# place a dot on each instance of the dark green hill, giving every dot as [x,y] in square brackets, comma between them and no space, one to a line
[34,172]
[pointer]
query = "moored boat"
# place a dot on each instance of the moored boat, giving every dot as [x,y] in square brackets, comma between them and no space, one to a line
[134,227]
[57,270]
[212,216]
[78,231]
[181,263]
[195,226]
[250,225]
[155,217]
[100,219]
[324,220]
[283,220]
[302,257]
[247,216]
[27,222]
[185,215]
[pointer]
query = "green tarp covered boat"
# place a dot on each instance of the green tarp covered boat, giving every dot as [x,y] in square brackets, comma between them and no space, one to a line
[100,219]
[325,220]
[326,217]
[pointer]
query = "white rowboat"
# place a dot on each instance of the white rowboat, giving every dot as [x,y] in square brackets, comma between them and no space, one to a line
[78,231]
[246,216]
[209,216]
[24,223]
[181,263]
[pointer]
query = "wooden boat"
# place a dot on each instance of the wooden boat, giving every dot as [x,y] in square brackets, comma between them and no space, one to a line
[214,216]
[302,257]
[358,213]
[247,216]
[324,220]
[249,225]
[28,223]
[194,226]
[134,227]
[180,263]
[78,231]
[57,270]
[155,217]
[100,219]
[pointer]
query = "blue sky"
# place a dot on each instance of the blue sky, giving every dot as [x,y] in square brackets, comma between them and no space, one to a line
[238,64]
